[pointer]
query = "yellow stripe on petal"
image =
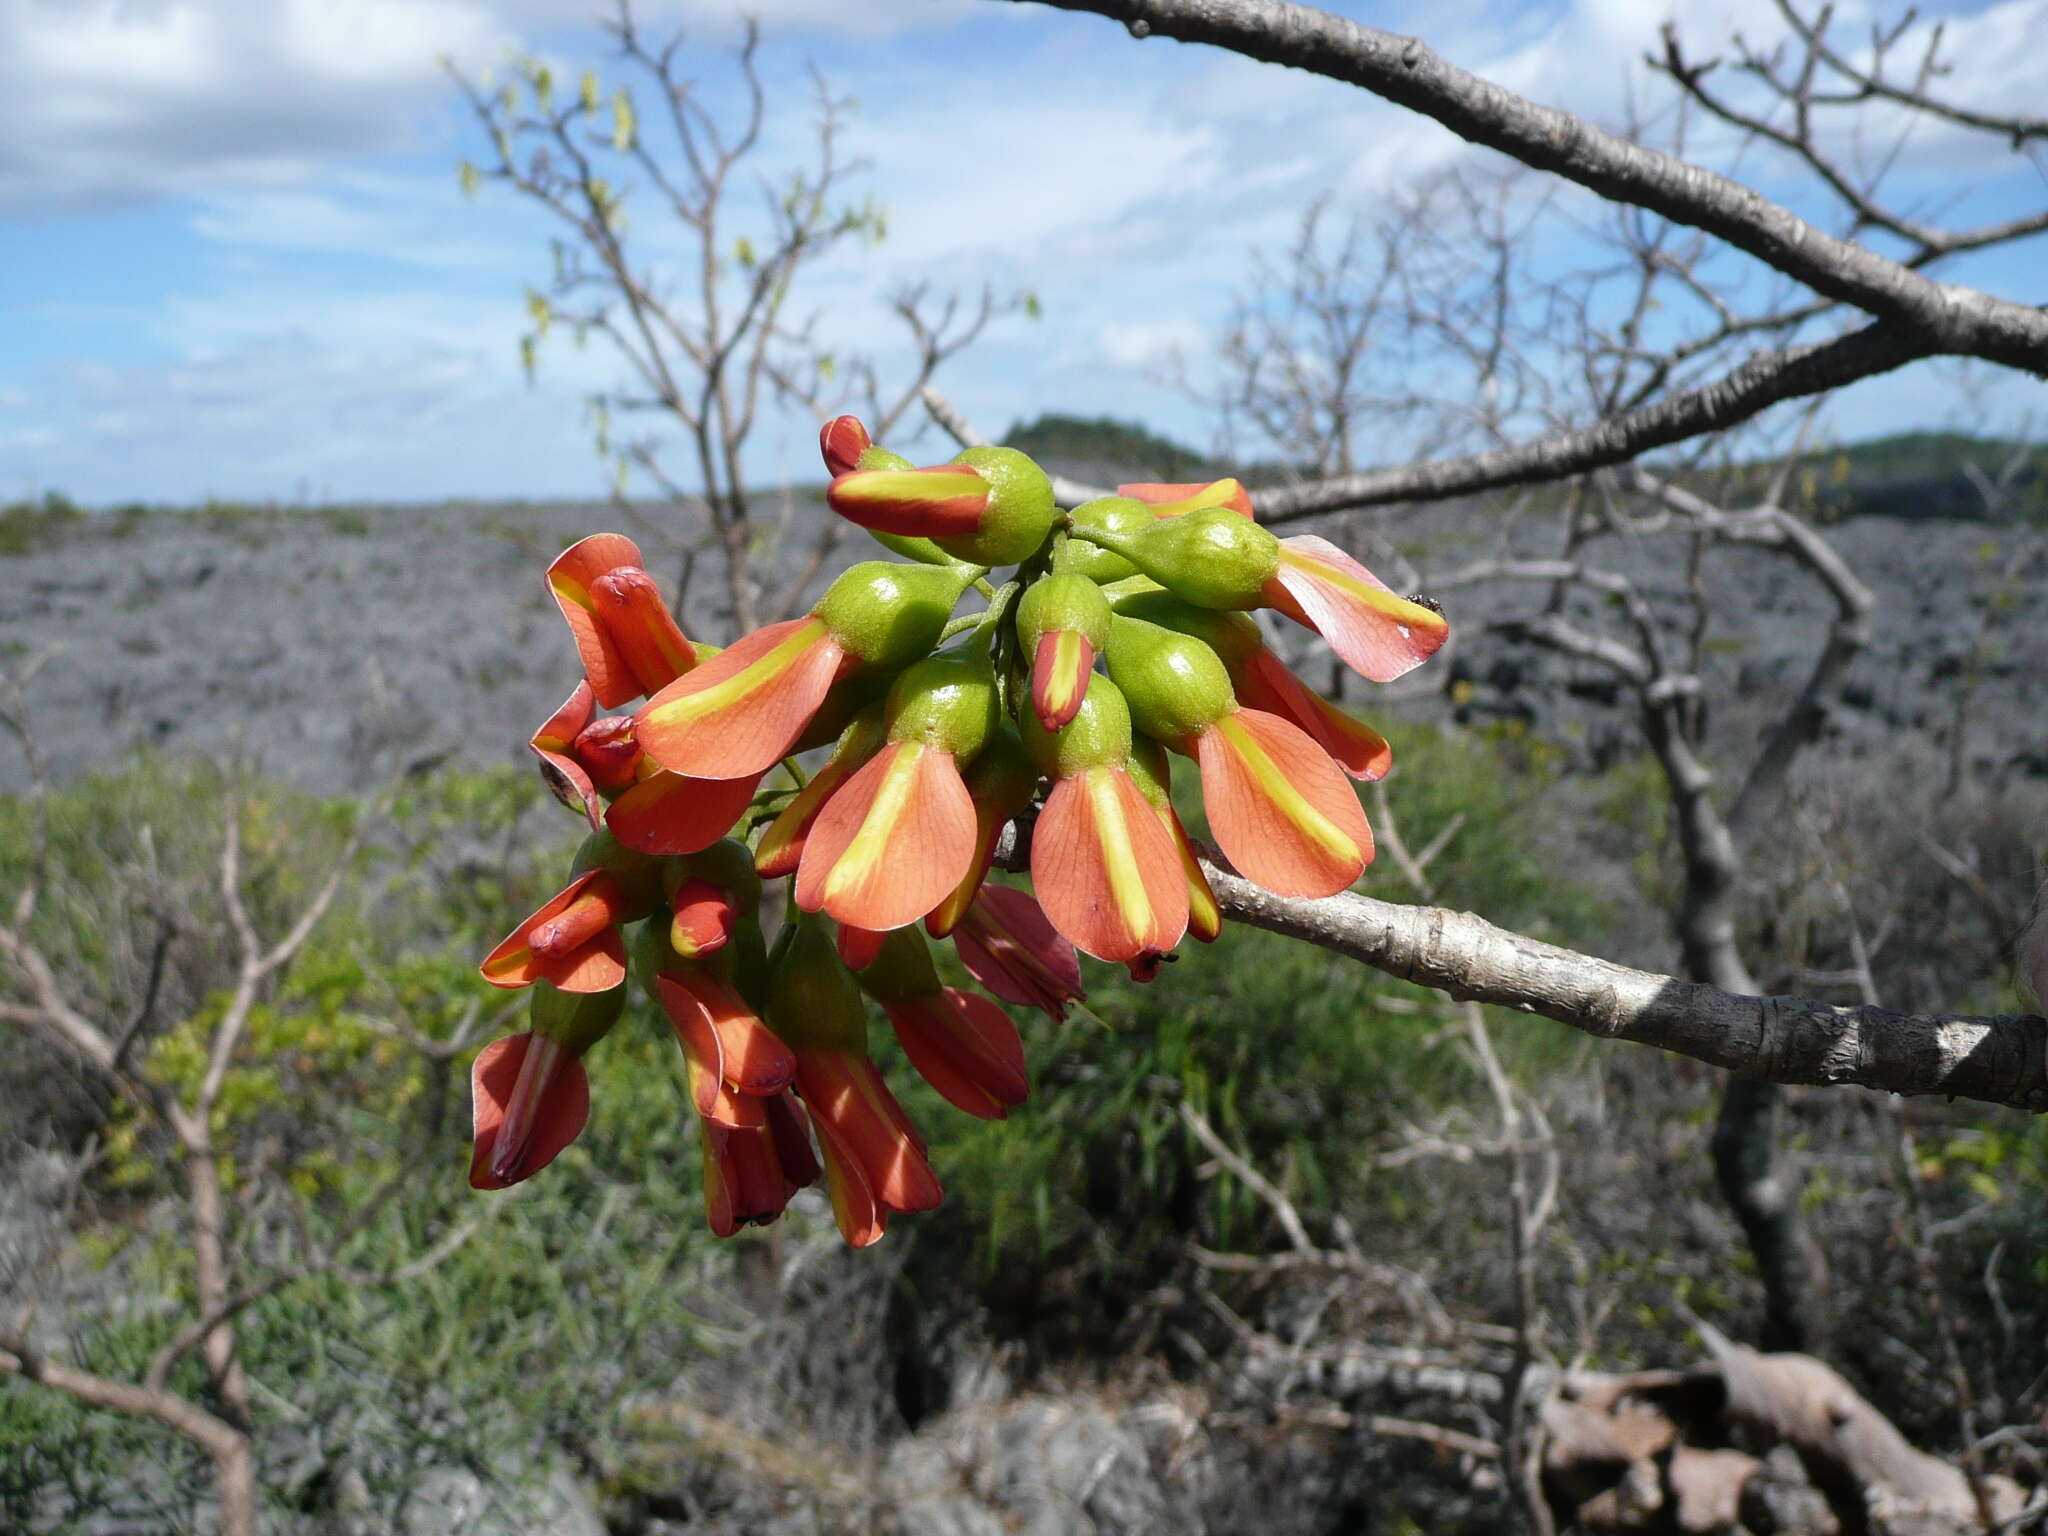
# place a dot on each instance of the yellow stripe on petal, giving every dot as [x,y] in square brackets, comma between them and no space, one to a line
[1281,794]
[1411,616]
[870,844]
[753,677]
[1119,856]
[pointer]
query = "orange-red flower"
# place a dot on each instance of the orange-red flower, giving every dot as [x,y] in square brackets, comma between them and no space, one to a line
[1379,634]
[720,1032]
[963,1045]
[874,1158]
[529,1095]
[1280,809]
[572,941]
[752,1170]
[1008,945]
[628,640]
[703,918]
[530,1098]
[842,441]
[893,842]
[1105,870]
[1001,782]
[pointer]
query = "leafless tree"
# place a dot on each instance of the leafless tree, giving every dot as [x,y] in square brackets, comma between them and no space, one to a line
[714,339]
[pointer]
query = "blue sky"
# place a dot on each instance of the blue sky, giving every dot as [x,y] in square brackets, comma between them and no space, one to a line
[238,262]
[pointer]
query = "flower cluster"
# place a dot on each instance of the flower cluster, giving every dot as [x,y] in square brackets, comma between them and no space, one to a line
[1124,637]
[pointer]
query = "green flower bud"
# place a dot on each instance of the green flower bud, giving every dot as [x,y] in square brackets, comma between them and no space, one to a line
[574,1020]
[1062,601]
[1173,683]
[946,701]
[813,1003]
[1099,735]
[1003,778]
[1214,558]
[888,615]
[1105,514]
[1020,509]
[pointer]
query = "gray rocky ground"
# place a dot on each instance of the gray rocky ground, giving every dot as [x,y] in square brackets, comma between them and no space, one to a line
[328,647]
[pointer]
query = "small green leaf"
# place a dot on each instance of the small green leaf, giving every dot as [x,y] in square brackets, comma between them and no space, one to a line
[527,357]
[587,88]
[623,128]
[743,253]
[470,178]
[1032,308]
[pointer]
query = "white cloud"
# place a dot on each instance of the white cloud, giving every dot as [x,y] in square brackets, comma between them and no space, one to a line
[111,101]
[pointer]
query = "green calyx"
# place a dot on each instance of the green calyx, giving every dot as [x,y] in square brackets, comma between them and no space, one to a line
[813,1003]
[1214,558]
[1173,683]
[638,874]
[574,1020]
[1062,600]
[1003,777]
[1232,636]
[1105,514]
[1152,771]
[1099,734]
[888,615]
[1020,509]
[946,701]
[902,971]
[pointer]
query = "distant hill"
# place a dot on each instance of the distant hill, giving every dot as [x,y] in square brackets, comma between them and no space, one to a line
[1126,446]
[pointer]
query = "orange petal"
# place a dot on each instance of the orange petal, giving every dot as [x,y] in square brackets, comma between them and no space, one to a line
[578,949]
[854,1109]
[644,633]
[749,1057]
[1009,946]
[862,1218]
[965,1047]
[527,1105]
[791,1128]
[567,780]
[842,441]
[895,840]
[703,917]
[859,946]
[1173,500]
[1283,813]
[1379,634]
[947,499]
[571,578]
[1059,676]
[1264,682]
[1105,870]
[669,814]
[738,712]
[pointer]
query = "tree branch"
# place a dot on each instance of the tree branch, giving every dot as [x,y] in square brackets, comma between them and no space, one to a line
[1995,1059]
[1943,317]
